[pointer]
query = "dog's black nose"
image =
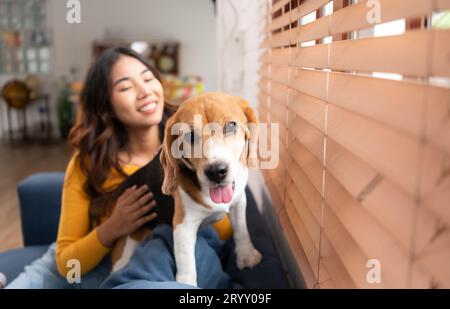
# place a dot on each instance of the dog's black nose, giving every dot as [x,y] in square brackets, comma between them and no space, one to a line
[216,172]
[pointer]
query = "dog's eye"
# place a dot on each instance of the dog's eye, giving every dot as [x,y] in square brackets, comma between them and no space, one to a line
[191,138]
[230,128]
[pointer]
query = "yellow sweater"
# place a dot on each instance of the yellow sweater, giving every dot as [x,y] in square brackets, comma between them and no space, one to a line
[76,240]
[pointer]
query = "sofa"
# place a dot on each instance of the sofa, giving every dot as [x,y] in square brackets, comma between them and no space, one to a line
[40,203]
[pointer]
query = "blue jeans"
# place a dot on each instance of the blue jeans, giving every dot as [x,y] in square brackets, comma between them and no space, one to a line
[43,274]
[152,265]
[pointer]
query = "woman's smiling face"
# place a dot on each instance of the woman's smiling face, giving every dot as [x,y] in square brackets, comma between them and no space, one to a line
[137,97]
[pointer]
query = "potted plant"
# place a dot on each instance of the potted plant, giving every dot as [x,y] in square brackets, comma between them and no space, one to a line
[64,107]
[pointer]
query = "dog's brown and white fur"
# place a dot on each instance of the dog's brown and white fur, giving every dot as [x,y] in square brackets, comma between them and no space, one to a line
[219,174]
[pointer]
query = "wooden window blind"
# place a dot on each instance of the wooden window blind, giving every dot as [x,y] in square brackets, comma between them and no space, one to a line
[364,169]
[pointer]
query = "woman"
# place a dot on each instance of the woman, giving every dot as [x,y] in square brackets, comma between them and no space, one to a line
[118,130]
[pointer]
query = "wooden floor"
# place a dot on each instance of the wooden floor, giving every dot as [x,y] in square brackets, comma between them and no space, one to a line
[16,163]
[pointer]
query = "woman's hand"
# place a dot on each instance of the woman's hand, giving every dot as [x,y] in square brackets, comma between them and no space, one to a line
[130,212]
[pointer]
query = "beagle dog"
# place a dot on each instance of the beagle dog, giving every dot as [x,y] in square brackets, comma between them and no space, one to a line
[209,144]
[195,188]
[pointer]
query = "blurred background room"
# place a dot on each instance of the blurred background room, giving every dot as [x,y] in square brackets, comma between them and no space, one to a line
[44,59]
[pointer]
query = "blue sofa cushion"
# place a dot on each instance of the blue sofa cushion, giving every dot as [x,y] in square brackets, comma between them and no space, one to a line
[40,205]
[270,272]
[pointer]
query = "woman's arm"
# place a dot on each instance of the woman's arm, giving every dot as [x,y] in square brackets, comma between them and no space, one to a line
[75,239]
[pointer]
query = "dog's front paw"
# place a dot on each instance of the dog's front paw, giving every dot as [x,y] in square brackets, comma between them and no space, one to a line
[187,279]
[248,257]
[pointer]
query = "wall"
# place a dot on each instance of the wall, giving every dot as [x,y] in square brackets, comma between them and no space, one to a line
[238,40]
[192,23]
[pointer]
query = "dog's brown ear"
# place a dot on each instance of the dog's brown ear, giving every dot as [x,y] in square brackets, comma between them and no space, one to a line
[170,166]
[251,135]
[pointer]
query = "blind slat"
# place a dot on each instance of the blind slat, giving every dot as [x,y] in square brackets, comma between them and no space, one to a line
[280,56]
[309,164]
[278,5]
[279,92]
[277,202]
[384,149]
[387,100]
[298,251]
[441,52]
[278,110]
[264,71]
[264,45]
[310,195]
[264,58]
[266,30]
[273,184]
[334,267]
[263,111]
[312,31]
[354,17]
[280,74]
[438,122]
[307,7]
[309,108]
[437,272]
[306,229]
[309,136]
[370,237]
[403,54]
[264,85]
[387,204]
[310,57]
[348,252]
[281,39]
[310,82]
[443,5]
[280,22]
[440,196]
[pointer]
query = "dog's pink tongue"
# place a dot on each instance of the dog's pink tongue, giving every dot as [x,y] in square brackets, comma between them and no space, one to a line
[221,194]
